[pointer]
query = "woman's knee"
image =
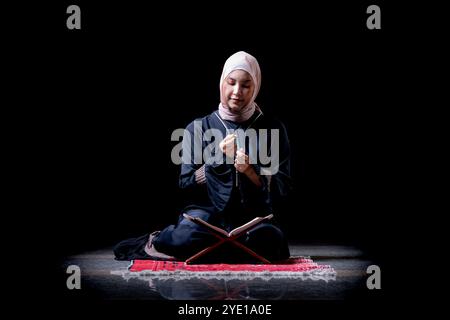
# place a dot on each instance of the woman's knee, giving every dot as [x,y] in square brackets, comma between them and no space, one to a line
[269,241]
[195,213]
[266,231]
[186,232]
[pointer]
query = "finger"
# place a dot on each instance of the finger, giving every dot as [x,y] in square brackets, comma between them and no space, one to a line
[240,159]
[241,153]
[230,143]
[230,137]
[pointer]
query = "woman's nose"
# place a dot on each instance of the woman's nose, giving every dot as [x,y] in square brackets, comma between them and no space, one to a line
[236,89]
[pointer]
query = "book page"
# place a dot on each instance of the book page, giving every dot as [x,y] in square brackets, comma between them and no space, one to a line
[206,224]
[233,232]
[249,224]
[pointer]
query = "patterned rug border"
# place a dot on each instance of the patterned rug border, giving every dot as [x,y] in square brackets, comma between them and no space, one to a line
[325,274]
[319,272]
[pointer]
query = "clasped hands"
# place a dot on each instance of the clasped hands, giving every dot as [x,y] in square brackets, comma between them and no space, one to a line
[241,160]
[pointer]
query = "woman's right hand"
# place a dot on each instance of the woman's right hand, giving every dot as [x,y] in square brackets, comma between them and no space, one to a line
[228,145]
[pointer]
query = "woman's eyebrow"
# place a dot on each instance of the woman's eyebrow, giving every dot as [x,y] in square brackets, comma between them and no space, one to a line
[246,80]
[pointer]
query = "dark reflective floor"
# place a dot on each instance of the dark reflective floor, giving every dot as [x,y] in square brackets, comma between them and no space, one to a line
[106,279]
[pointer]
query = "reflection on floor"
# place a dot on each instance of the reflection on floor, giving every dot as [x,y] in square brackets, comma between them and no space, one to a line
[103,278]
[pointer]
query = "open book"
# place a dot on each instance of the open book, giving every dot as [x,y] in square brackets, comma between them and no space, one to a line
[235,231]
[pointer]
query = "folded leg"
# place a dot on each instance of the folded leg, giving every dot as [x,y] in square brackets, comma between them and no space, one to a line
[186,238]
[268,241]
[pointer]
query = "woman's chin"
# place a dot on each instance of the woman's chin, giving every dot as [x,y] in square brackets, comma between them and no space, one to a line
[234,108]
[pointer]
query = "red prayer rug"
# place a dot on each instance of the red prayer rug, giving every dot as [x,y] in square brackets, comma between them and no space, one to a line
[295,267]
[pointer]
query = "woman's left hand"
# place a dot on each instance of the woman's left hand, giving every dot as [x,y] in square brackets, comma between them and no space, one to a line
[242,163]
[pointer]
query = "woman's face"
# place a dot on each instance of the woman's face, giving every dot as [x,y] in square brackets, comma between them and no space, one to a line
[237,90]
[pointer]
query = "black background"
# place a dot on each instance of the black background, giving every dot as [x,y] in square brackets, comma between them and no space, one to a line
[107,98]
[116,89]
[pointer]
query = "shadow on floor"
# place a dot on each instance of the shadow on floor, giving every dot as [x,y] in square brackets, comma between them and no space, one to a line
[102,278]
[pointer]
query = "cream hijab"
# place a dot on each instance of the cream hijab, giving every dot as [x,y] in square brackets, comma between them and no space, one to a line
[241,61]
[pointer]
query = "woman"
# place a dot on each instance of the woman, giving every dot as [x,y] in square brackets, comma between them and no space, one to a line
[229,187]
